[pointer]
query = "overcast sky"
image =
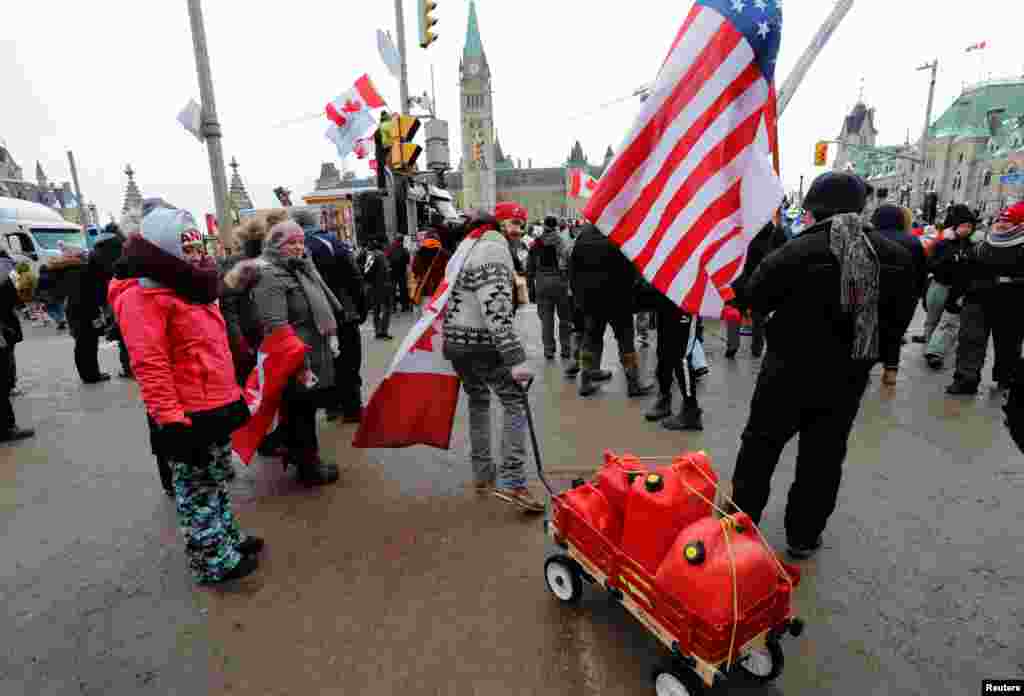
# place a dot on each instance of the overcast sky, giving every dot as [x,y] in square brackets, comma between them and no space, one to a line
[113,99]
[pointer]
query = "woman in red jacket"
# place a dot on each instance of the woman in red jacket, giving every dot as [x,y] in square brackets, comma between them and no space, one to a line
[178,345]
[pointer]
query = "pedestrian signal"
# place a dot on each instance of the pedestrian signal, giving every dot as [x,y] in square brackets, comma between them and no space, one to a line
[821,154]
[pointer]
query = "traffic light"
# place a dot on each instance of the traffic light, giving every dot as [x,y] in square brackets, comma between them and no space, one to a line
[821,154]
[404,152]
[476,152]
[427,22]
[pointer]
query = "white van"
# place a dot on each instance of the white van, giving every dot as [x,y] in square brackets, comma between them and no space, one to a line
[34,230]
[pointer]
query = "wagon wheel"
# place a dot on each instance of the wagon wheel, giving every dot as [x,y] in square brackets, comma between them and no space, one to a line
[563,578]
[672,679]
[763,664]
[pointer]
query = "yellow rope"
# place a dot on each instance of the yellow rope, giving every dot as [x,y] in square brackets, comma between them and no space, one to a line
[726,523]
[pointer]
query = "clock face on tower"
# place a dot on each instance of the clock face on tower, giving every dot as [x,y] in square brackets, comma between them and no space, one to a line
[474,69]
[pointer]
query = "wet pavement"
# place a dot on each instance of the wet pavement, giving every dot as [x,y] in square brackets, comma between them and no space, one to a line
[399,580]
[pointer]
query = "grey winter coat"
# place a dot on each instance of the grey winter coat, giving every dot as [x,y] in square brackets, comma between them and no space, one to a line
[280,301]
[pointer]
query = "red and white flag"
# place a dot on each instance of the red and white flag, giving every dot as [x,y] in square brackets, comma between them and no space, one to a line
[695,178]
[281,355]
[977,47]
[581,184]
[351,115]
[416,402]
[211,225]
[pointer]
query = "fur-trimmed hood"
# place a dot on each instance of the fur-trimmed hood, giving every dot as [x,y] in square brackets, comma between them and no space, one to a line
[244,275]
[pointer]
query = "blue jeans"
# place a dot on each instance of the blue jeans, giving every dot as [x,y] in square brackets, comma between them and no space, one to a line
[56,311]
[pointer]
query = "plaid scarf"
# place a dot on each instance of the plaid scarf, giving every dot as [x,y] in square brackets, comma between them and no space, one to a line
[859,282]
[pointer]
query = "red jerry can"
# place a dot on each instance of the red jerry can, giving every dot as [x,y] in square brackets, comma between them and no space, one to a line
[664,501]
[590,504]
[616,477]
[698,571]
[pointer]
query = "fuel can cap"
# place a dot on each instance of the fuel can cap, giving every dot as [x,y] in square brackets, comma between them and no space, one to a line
[694,552]
[654,483]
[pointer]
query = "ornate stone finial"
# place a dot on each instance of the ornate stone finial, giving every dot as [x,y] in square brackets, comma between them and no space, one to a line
[132,196]
[234,164]
[130,172]
[237,194]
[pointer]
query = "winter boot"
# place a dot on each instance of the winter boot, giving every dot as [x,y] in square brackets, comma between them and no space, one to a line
[588,385]
[689,418]
[634,386]
[596,373]
[572,367]
[662,408]
[313,471]
[962,387]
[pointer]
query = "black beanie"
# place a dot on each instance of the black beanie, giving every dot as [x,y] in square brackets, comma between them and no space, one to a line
[833,193]
[957,215]
[551,221]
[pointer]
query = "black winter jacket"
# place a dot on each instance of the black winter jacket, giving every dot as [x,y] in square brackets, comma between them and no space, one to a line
[602,279]
[799,286]
[342,275]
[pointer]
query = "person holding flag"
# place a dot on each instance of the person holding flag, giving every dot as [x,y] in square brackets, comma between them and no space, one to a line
[481,342]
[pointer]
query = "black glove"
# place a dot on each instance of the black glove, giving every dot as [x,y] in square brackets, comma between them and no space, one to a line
[1014,408]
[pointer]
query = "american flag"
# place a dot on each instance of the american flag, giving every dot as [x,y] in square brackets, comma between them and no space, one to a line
[696,177]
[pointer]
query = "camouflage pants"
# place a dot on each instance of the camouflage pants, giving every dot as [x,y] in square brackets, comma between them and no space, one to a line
[204,512]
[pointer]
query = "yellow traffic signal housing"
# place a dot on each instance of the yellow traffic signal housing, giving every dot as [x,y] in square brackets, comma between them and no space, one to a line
[427,22]
[408,127]
[821,154]
[403,157]
[476,152]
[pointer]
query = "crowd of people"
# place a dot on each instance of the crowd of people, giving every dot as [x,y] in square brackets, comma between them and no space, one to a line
[824,306]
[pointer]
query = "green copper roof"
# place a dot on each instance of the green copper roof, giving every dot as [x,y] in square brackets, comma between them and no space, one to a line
[474,46]
[968,117]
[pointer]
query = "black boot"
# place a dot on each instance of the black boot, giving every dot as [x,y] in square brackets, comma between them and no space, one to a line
[962,387]
[689,418]
[662,408]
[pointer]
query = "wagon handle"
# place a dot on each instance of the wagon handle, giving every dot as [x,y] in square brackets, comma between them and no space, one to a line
[533,435]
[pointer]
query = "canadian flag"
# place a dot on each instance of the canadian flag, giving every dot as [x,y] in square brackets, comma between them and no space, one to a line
[581,184]
[351,115]
[978,46]
[416,402]
[281,355]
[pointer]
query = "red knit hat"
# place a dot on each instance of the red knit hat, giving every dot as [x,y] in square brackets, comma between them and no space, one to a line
[1013,215]
[510,210]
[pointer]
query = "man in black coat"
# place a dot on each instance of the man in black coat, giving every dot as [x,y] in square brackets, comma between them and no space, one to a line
[602,281]
[994,272]
[894,223]
[86,299]
[339,270]
[380,291]
[398,259]
[10,334]
[822,344]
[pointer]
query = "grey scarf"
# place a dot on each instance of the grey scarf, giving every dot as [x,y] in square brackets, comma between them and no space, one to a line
[322,301]
[859,282]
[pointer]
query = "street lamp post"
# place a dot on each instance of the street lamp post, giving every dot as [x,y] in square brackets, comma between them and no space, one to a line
[211,128]
[919,173]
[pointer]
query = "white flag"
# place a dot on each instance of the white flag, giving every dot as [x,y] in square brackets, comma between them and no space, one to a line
[191,117]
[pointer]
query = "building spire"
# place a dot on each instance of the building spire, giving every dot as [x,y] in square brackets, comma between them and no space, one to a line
[238,195]
[132,197]
[40,176]
[474,46]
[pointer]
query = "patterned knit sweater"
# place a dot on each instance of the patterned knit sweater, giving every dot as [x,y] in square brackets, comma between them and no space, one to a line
[480,319]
